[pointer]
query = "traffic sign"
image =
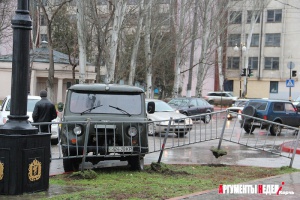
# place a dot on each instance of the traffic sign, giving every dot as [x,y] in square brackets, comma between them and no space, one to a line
[291,65]
[290,83]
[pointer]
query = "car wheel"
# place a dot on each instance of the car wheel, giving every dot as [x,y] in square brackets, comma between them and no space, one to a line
[275,129]
[211,102]
[248,128]
[136,163]
[70,164]
[151,128]
[207,118]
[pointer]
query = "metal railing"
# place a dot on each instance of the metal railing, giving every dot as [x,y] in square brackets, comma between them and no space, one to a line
[175,133]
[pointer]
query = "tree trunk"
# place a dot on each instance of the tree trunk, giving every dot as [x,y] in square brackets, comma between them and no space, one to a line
[118,20]
[136,44]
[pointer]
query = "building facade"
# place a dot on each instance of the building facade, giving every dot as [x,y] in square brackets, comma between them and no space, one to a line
[273,55]
[39,65]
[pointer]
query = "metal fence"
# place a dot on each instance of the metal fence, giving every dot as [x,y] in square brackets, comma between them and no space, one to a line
[261,138]
[169,137]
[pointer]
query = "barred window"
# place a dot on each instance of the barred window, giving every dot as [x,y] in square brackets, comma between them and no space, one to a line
[233,62]
[272,63]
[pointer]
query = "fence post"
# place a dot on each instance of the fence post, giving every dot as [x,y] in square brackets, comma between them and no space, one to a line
[223,130]
[295,148]
[87,133]
[165,140]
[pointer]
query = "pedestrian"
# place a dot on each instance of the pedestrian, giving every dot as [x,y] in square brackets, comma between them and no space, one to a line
[44,111]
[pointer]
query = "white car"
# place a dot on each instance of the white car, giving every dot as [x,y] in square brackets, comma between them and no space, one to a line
[237,108]
[31,101]
[180,124]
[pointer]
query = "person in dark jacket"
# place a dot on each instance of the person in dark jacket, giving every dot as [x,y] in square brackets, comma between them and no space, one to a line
[44,111]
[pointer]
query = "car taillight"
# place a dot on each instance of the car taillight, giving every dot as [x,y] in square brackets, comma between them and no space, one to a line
[265,117]
[4,120]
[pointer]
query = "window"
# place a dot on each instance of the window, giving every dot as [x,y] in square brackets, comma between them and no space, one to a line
[273,86]
[274,15]
[193,103]
[278,106]
[43,20]
[272,63]
[235,17]
[102,2]
[256,16]
[234,39]
[289,107]
[254,40]
[233,62]
[253,63]
[44,37]
[272,40]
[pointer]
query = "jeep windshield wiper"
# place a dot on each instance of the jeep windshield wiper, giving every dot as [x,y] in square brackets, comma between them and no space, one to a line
[90,109]
[123,111]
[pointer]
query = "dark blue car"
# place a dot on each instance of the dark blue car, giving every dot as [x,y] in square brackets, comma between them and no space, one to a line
[279,111]
[191,106]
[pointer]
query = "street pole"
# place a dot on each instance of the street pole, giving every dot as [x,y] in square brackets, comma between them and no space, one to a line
[290,88]
[24,154]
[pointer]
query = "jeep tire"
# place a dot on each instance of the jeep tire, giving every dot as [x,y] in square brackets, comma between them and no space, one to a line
[249,128]
[70,164]
[136,163]
[275,129]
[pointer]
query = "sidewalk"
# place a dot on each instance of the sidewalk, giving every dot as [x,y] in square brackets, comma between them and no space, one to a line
[291,185]
[241,155]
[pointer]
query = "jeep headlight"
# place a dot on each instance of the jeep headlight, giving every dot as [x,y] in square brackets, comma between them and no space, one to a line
[77,130]
[132,131]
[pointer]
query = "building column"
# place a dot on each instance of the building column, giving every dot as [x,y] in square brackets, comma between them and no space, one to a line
[59,90]
[33,83]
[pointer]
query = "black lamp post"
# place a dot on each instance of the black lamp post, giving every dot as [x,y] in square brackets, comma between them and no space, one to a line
[24,154]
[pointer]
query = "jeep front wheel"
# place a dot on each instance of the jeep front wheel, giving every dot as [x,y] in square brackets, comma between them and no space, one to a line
[70,164]
[136,163]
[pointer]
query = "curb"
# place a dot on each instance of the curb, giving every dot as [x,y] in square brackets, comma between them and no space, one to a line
[289,147]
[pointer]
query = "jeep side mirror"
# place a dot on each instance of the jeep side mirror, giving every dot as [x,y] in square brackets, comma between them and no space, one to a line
[60,106]
[151,107]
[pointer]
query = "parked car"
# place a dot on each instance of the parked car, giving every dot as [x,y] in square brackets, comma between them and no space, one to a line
[191,106]
[180,124]
[296,101]
[237,108]
[31,101]
[118,129]
[220,98]
[279,111]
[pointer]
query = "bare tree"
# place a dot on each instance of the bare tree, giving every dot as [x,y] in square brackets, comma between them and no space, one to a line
[257,8]
[6,13]
[136,44]
[120,7]
[50,12]
[82,29]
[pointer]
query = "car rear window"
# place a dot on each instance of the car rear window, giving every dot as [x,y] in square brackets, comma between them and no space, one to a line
[258,105]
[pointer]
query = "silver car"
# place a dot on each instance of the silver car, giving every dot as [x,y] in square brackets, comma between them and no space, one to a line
[180,124]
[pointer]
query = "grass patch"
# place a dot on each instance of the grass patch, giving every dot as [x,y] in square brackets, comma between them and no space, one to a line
[157,182]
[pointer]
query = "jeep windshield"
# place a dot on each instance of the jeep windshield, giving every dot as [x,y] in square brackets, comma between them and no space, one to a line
[106,103]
